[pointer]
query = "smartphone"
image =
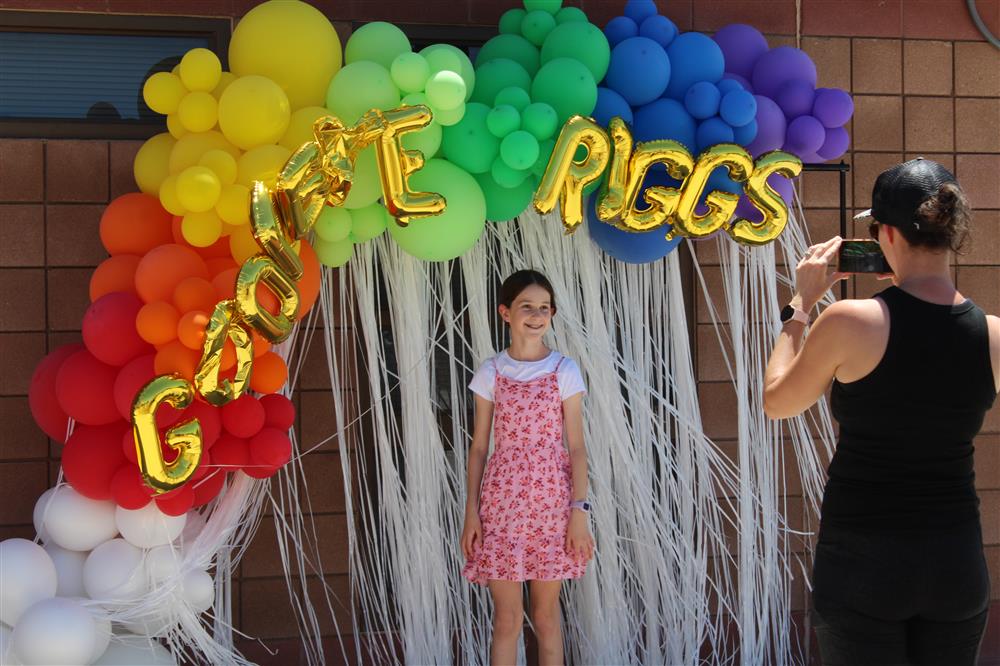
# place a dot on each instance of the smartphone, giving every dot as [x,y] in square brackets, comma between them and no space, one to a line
[861,256]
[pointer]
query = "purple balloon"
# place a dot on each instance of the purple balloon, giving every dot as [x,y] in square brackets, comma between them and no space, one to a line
[619,29]
[770,126]
[730,76]
[779,65]
[780,184]
[804,137]
[795,98]
[742,45]
[833,107]
[835,144]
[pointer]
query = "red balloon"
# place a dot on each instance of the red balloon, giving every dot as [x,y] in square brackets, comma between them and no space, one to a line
[230,453]
[279,411]
[243,417]
[260,471]
[91,458]
[210,418]
[177,502]
[109,329]
[42,401]
[132,377]
[128,490]
[206,490]
[128,447]
[204,465]
[270,448]
[85,388]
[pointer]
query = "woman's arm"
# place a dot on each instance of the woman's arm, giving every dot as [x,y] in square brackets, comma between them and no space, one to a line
[578,539]
[478,453]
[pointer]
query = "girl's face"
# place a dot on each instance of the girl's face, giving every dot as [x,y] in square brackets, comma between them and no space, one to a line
[530,315]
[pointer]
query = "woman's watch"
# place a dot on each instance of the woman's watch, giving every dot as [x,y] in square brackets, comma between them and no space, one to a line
[582,505]
[792,313]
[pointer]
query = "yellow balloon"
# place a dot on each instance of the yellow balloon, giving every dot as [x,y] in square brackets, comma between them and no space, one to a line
[185,438]
[234,205]
[242,244]
[201,229]
[163,92]
[224,80]
[174,126]
[198,112]
[222,163]
[151,166]
[291,43]
[168,196]
[224,325]
[262,163]
[253,111]
[190,147]
[300,127]
[200,70]
[198,189]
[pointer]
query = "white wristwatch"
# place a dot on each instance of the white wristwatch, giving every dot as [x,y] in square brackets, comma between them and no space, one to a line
[582,505]
[792,313]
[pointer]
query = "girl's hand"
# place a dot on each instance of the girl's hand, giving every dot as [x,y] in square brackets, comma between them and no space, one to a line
[812,276]
[471,534]
[579,542]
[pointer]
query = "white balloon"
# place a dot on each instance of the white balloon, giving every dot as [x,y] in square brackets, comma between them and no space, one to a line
[27,576]
[149,527]
[198,590]
[154,625]
[75,522]
[7,656]
[38,514]
[55,631]
[69,570]
[132,650]
[103,637]
[163,562]
[195,524]
[114,571]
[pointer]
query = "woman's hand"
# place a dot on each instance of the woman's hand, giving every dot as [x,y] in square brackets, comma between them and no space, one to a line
[813,277]
[579,543]
[472,534]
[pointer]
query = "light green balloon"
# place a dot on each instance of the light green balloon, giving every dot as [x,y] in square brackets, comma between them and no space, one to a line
[545,149]
[377,42]
[333,224]
[445,90]
[454,59]
[449,117]
[333,254]
[519,150]
[358,88]
[415,99]
[550,6]
[571,15]
[469,143]
[369,222]
[410,72]
[580,41]
[427,140]
[516,97]
[567,86]
[540,120]
[448,235]
[505,203]
[510,21]
[502,120]
[537,25]
[366,187]
[495,75]
[512,47]
[505,176]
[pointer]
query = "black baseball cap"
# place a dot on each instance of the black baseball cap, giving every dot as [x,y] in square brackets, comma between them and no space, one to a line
[900,190]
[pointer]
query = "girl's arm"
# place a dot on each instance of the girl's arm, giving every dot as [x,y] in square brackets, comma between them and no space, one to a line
[478,453]
[578,539]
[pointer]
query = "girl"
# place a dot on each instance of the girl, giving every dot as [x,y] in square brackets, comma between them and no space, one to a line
[527,518]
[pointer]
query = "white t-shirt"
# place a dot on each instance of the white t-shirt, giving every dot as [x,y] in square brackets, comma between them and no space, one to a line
[569,377]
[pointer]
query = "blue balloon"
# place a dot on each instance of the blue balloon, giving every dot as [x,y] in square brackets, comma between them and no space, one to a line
[610,104]
[632,248]
[658,28]
[665,119]
[619,29]
[746,134]
[639,10]
[738,108]
[702,100]
[713,131]
[693,57]
[639,70]
[729,85]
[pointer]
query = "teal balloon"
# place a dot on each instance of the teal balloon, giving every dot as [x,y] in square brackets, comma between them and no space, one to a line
[540,120]
[516,97]
[377,42]
[505,176]
[333,253]
[512,47]
[456,230]
[550,6]
[469,143]
[359,87]
[567,86]
[580,41]
[333,224]
[427,140]
[445,90]
[445,56]
[502,120]
[505,203]
[571,15]
[519,150]
[510,21]
[495,75]
[410,72]
[537,25]
[366,187]
[369,222]
[545,149]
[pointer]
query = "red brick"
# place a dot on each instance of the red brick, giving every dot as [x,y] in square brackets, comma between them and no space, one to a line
[76,170]
[988,462]
[719,409]
[832,56]
[122,160]
[977,125]
[977,69]
[878,123]
[21,437]
[21,353]
[21,170]
[876,64]
[221,8]
[22,235]
[442,12]
[267,613]
[263,558]
[712,355]
[68,297]
[824,224]
[866,168]
[980,178]
[982,285]
[821,189]
[947,160]
[984,239]
[930,124]
[927,67]
[325,480]
[319,420]
[601,11]
[776,17]
[947,19]
[22,482]
[73,235]
[22,299]
[851,17]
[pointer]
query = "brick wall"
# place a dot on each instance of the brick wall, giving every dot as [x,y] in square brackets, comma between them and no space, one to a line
[924,82]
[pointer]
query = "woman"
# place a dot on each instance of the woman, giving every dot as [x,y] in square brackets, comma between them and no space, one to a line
[899,575]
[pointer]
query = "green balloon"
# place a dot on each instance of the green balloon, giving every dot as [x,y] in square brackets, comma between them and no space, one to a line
[378,42]
[448,117]
[358,88]
[580,41]
[512,47]
[445,56]
[545,149]
[505,203]
[366,187]
[540,120]
[427,140]
[448,235]
[369,222]
[567,86]
[571,15]
[519,150]
[510,21]
[445,90]
[333,254]
[505,176]
[537,25]
[550,6]
[516,97]
[333,224]
[410,72]
[502,120]
[495,75]
[469,143]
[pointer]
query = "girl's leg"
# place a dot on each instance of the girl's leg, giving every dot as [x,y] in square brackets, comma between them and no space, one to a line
[508,618]
[547,622]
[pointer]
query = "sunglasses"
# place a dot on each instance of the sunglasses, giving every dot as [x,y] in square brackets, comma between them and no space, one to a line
[873,229]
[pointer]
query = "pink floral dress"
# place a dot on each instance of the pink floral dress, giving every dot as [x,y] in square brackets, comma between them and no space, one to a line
[524,502]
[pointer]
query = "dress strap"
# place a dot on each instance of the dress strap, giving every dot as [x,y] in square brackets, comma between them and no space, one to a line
[562,358]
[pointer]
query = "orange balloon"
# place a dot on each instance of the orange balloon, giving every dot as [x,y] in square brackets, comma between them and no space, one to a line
[163,267]
[157,323]
[175,229]
[228,360]
[219,248]
[269,373]
[115,273]
[225,283]
[195,293]
[175,358]
[191,329]
[261,345]
[216,266]
[242,244]
[134,223]
[309,283]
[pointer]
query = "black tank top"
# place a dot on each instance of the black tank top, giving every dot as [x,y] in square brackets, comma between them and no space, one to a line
[904,456]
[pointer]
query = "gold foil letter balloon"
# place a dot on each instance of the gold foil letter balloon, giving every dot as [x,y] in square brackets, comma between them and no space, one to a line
[223,326]
[185,438]
[663,201]
[564,177]
[720,204]
[768,201]
[395,165]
